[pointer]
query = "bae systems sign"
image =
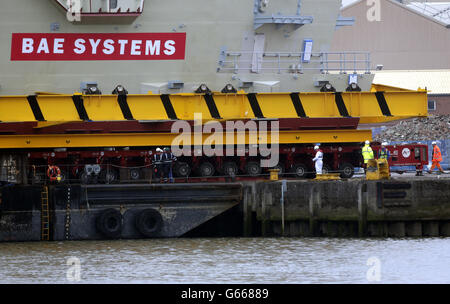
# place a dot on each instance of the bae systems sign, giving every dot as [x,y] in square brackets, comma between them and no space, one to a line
[100,46]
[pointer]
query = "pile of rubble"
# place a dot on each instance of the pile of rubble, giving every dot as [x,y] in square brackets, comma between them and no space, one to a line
[430,128]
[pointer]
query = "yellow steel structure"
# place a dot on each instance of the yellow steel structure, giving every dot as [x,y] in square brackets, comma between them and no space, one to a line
[167,139]
[384,88]
[328,176]
[370,107]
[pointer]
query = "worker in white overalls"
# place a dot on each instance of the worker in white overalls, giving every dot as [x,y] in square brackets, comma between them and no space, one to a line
[318,160]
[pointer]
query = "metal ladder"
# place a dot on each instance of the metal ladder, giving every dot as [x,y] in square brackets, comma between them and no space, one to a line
[45,215]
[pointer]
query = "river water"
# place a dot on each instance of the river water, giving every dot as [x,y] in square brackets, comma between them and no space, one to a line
[228,260]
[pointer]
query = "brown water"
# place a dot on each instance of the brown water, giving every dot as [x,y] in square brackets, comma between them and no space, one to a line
[229,260]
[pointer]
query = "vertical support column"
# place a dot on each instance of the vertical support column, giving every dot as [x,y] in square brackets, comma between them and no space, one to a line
[294,228]
[283,190]
[445,229]
[362,210]
[430,228]
[396,229]
[314,205]
[344,229]
[332,229]
[247,206]
[376,226]
[265,218]
[413,229]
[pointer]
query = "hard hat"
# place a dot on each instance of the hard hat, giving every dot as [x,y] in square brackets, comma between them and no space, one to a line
[367,142]
[384,144]
[159,150]
[316,148]
[434,143]
[166,149]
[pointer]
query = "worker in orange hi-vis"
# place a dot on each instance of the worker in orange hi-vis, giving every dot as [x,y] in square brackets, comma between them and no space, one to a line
[437,158]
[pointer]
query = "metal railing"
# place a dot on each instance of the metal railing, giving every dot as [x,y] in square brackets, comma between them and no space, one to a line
[293,62]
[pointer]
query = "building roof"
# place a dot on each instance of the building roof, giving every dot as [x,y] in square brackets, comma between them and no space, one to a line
[437,82]
[437,10]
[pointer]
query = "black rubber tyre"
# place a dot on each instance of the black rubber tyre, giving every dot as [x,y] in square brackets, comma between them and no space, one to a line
[230,168]
[109,223]
[84,178]
[300,171]
[326,169]
[347,170]
[182,169]
[135,174]
[149,222]
[253,168]
[109,176]
[206,169]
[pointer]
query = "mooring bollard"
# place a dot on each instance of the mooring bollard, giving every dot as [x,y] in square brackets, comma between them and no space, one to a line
[274,173]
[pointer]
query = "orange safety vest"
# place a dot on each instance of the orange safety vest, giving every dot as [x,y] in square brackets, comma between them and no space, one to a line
[437,156]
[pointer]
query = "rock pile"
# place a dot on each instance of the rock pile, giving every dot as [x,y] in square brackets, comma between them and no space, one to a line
[430,128]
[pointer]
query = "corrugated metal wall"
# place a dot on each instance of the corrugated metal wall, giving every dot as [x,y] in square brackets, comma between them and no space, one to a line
[401,40]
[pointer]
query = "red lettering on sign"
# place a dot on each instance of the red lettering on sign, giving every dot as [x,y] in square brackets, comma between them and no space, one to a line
[100,46]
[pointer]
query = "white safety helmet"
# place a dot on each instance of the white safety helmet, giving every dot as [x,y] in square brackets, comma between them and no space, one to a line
[159,150]
[367,142]
[316,148]
[434,143]
[384,144]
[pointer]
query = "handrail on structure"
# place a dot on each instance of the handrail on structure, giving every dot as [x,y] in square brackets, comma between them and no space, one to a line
[293,62]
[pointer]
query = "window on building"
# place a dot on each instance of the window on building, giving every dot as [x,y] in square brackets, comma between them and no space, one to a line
[113,4]
[431,105]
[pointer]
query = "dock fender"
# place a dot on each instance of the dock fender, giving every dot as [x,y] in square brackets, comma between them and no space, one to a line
[149,222]
[109,223]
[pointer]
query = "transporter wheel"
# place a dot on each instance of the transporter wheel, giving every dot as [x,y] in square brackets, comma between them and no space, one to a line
[84,178]
[300,171]
[206,169]
[135,174]
[253,168]
[149,222]
[109,223]
[326,169]
[182,169]
[347,170]
[109,176]
[230,168]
